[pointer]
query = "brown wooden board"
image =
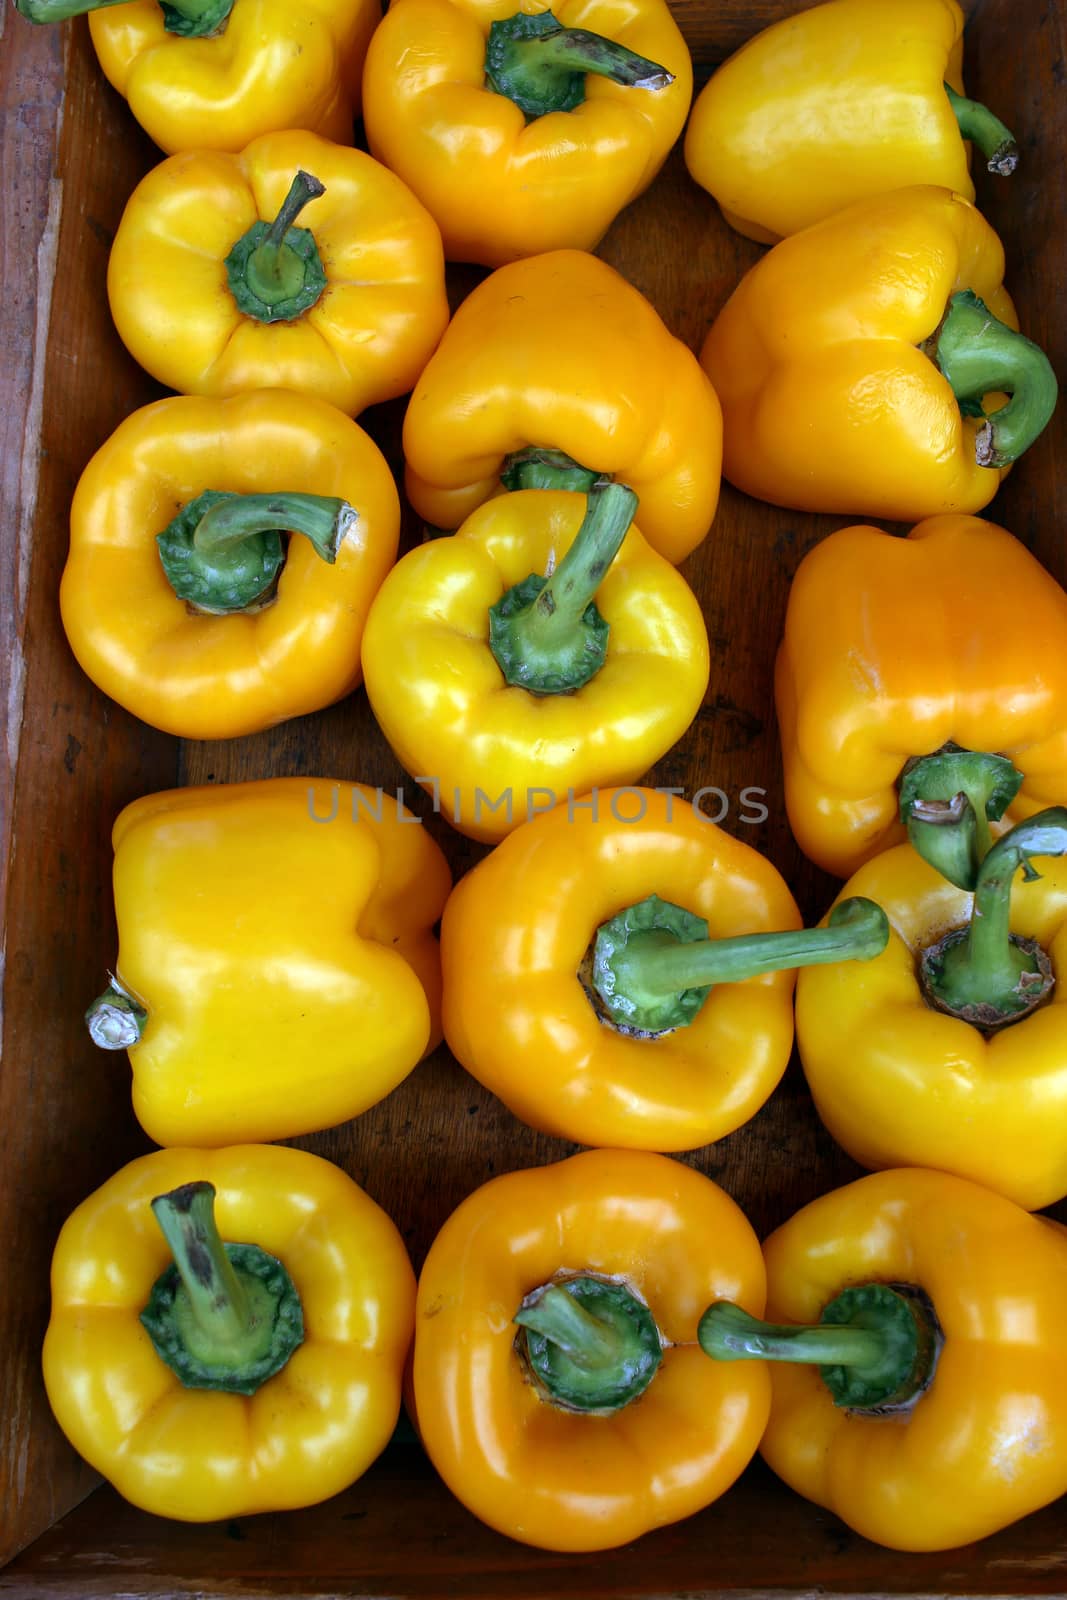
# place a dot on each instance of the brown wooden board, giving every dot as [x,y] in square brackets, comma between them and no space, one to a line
[71,154]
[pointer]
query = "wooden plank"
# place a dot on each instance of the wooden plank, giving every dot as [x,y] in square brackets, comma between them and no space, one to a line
[65,1120]
[397,1536]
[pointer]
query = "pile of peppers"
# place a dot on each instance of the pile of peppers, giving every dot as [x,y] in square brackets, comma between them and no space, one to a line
[596,1348]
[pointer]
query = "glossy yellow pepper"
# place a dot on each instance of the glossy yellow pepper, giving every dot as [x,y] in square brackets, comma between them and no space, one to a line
[214,74]
[616,971]
[560,352]
[845,99]
[203,624]
[523,128]
[501,683]
[895,647]
[277,971]
[264,1376]
[949,1050]
[615,1253]
[214,289]
[927,1407]
[861,364]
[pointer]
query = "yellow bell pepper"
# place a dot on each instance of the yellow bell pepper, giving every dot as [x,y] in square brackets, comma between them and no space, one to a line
[893,648]
[846,99]
[617,972]
[861,364]
[950,1049]
[560,353]
[215,74]
[203,624]
[257,1376]
[214,290]
[605,1261]
[499,680]
[927,1408]
[277,971]
[523,129]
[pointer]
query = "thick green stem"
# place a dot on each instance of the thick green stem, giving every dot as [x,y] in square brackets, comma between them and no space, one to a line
[876,1346]
[274,271]
[537,468]
[192,19]
[947,801]
[542,66]
[986,131]
[223,1316]
[984,973]
[654,966]
[980,355]
[116,1020]
[223,552]
[546,633]
[561,1318]
[590,1343]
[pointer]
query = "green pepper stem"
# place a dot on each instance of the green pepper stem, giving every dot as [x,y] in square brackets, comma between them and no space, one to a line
[876,1345]
[274,270]
[978,124]
[586,1340]
[115,1019]
[222,1316]
[537,468]
[728,1333]
[223,552]
[947,801]
[322,519]
[546,633]
[218,1302]
[590,1344]
[858,930]
[649,972]
[193,11]
[980,355]
[985,974]
[542,66]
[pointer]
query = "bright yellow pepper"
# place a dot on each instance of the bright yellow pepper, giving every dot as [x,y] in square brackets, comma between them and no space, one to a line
[229,632]
[845,99]
[949,1050]
[944,1303]
[214,290]
[895,647]
[615,1252]
[267,1376]
[214,74]
[861,363]
[523,129]
[498,689]
[559,352]
[616,971]
[277,971]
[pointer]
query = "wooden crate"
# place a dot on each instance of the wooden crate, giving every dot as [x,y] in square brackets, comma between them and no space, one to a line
[71,154]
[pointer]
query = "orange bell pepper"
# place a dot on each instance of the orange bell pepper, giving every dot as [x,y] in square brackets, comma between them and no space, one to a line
[560,353]
[862,363]
[523,129]
[599,1418]
[892,649]
[582,987]
[928,1408]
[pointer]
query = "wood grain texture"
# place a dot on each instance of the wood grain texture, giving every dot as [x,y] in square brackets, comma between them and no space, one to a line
[65,1120]
[397,1533]
[64,1107]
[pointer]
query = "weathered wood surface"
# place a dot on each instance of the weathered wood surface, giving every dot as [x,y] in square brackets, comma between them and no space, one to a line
[65,1119]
